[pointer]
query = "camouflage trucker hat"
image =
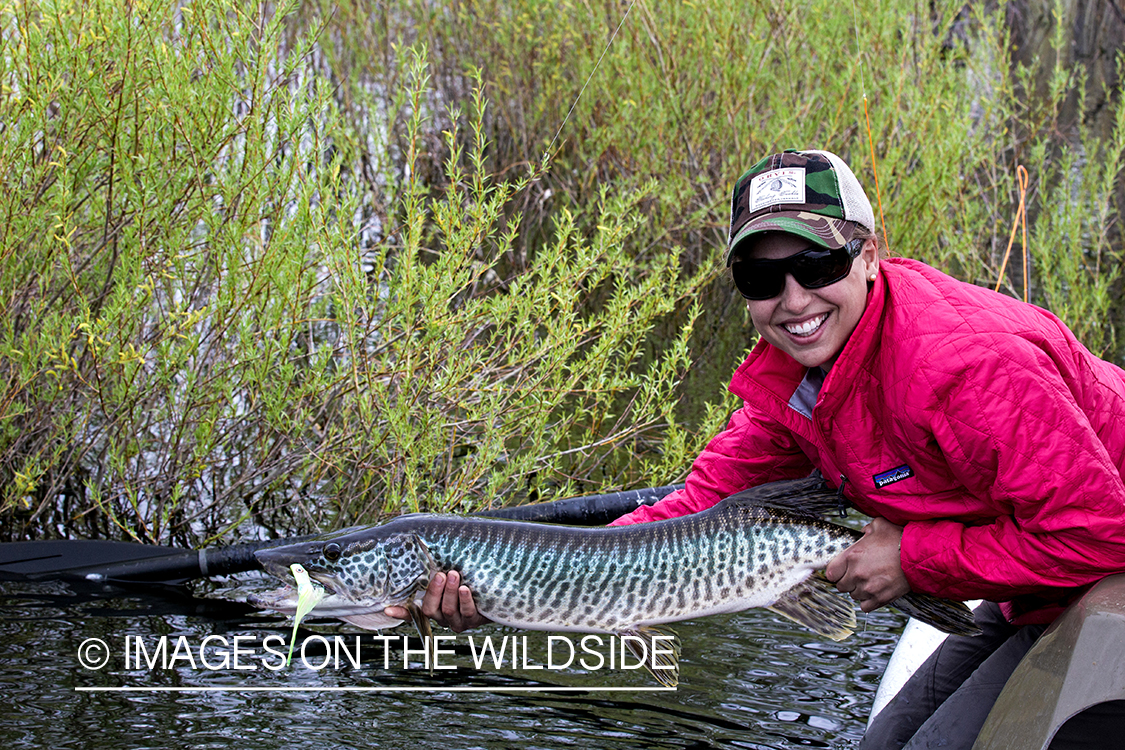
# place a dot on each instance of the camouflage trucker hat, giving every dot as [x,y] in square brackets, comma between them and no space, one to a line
[812,194]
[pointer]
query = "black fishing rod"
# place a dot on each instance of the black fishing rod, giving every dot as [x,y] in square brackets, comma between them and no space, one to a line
[106,561]
[588,510]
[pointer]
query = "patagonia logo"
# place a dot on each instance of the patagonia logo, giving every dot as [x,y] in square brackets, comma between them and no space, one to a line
[892,476]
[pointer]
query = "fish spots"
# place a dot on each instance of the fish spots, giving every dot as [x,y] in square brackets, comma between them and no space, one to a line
[595,581]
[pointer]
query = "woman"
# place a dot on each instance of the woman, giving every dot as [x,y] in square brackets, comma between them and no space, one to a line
[983,439]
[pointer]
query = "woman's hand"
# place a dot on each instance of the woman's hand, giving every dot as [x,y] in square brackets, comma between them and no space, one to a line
[871,569]
[447,603]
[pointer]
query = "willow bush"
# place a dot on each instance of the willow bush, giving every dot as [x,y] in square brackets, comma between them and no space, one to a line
[692,94]
[272,268]
[197,339]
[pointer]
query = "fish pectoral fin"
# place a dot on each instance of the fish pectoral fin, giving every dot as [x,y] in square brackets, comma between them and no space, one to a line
[658,648]
[421,623]
[817,605]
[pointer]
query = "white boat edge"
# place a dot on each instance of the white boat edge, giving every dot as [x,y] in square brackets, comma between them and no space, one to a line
[917,642]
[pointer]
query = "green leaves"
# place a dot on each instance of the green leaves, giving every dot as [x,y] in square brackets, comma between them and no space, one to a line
[162,190]
[226,324]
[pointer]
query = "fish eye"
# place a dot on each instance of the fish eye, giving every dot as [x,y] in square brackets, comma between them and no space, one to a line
[332,552]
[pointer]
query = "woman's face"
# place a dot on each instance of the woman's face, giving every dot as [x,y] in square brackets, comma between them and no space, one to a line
[811,325]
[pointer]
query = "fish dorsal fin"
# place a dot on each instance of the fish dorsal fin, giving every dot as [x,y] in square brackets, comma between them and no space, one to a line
[658,648]
[809,497]
[817,605]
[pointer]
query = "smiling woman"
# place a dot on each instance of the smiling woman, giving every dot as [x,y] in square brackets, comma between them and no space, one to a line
[972,427]
[983,439]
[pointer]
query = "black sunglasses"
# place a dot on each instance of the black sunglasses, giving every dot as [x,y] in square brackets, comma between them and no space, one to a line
[813,268]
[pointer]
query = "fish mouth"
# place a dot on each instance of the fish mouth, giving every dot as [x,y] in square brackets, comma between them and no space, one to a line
[365,613]
[284,600]
[278,562]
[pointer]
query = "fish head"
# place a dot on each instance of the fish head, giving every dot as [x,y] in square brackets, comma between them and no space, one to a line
[372,568]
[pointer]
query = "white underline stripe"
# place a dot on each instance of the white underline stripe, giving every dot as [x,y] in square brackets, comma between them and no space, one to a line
[363,689]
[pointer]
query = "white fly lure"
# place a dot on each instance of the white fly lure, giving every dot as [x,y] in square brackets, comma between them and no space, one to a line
[309,595]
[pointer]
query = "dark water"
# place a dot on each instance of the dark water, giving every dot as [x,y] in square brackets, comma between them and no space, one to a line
[748,680]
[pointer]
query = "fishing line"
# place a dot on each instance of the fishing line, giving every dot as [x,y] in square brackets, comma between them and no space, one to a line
[867,117]
[592,72]
[1020,219]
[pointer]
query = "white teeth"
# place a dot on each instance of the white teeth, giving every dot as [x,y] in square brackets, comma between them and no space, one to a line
[806,328]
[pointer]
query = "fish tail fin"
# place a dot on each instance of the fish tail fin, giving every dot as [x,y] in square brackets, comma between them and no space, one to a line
[815,604]
[658,648]
[946,615]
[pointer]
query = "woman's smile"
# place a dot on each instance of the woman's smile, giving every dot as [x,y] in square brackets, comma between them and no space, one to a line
[808,327]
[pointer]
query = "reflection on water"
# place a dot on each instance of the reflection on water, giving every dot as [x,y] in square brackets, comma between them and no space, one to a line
[747,680]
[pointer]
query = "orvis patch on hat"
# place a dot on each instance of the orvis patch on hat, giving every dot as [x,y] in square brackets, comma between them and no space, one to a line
[811,194]
[776,187]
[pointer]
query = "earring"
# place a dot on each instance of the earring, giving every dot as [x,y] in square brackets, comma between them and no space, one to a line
[872,276]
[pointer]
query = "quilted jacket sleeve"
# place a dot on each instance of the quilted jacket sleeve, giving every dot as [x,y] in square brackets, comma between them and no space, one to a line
[752,450]
[1011,418]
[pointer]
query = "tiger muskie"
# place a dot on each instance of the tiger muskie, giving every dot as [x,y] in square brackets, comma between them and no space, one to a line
[759,548]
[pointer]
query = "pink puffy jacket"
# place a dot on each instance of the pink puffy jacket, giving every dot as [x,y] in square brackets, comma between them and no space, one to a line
[974,420]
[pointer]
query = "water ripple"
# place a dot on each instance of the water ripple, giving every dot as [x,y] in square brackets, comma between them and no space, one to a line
[747,680]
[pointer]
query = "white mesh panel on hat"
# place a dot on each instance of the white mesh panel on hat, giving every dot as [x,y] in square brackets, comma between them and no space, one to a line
[857,207]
